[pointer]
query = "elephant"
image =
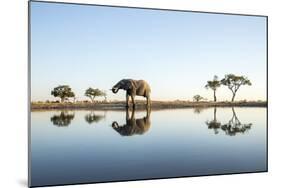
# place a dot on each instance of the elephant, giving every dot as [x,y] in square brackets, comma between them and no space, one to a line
[133,88]
[133,126]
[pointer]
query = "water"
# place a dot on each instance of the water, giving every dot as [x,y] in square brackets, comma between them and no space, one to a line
[70,147]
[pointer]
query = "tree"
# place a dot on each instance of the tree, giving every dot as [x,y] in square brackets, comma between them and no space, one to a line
[62,120]
[198,110]
[63,92]
[92,93]
[93,118]
[214,124]
[234,126]
[104,95]
[234,82]
[213,84]
[197,98]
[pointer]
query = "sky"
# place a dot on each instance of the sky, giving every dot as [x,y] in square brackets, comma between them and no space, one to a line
[175,52]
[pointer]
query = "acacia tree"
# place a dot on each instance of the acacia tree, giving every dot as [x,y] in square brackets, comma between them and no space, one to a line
[63,91]
[103,93]
[214,124]
[213,84]
[64,119]
[93,118]
[197,98]
[234,82]
[92,93]
[234,126]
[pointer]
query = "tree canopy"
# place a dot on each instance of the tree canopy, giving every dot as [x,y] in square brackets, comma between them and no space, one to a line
[197,98]
[234,126]
[63,91]
[93,118]
[64,119]
[214,124]
[92,93]
[213,84]
[234,82]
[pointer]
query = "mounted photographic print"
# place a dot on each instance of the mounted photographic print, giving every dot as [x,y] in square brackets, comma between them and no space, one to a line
[122,94]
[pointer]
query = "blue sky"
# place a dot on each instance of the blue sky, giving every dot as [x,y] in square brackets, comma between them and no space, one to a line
[176,52]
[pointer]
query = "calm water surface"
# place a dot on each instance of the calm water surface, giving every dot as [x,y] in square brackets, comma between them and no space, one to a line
[95,146]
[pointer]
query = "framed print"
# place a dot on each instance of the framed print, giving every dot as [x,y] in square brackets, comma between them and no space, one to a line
[130,93]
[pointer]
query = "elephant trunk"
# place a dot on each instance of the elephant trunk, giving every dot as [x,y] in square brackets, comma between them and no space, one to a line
[115,124]
[115,90]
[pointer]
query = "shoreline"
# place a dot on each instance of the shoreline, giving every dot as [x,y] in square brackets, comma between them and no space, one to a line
[155,105]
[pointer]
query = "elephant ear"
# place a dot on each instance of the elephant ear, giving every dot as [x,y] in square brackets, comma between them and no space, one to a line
[129,85]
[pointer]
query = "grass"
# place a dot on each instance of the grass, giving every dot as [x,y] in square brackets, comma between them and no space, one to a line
[111,105]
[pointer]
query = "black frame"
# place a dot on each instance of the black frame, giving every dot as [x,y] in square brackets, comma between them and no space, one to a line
[160,9]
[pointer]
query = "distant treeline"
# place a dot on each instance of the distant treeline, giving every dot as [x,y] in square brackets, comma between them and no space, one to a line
[231,81]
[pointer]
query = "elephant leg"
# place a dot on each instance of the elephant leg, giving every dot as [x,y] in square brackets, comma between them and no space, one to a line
[127,114]
[133,101]
[148,102]
[133,114]
[127,100]
[148,111]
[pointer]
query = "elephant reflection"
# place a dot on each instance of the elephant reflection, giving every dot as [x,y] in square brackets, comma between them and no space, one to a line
[234,126]
[93,118]
[214,124]
[63,119]
[133,126]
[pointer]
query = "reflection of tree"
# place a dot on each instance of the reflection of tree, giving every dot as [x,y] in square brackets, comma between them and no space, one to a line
[93,118]
[214,124]
[234,126]
[133,126]
[198,110]
[63,119]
